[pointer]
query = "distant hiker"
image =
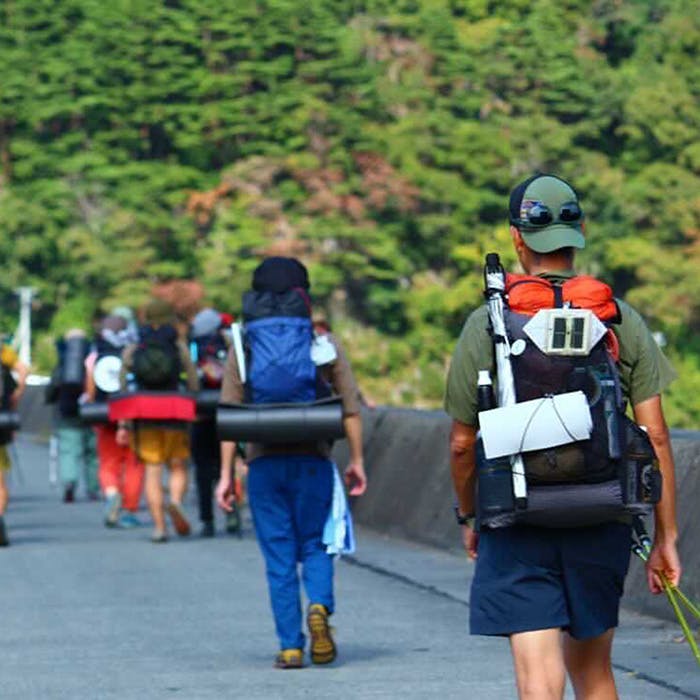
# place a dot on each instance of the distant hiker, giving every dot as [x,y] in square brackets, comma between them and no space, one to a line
[120,471]
[127,314]
[291,486]
[157,364]
[76,442]
[209,349]
[11,391]
[555,501]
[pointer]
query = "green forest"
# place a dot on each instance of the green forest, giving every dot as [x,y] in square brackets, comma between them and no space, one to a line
[145,141]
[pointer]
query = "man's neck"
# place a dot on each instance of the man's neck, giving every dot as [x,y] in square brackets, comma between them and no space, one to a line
[546,268]
[546,263]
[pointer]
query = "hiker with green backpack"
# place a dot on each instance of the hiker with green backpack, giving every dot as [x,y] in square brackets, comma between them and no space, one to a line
[156,368]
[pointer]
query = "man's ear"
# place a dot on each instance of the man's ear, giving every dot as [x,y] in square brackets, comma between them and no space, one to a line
[518,242]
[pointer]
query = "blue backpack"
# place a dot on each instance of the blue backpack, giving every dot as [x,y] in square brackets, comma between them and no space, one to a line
[278,338]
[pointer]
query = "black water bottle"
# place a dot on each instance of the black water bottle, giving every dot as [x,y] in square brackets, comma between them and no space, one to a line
[642,478]
[484,391]
[495,480]
[612,427]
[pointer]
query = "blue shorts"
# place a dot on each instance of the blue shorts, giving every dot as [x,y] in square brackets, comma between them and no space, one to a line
[530,578]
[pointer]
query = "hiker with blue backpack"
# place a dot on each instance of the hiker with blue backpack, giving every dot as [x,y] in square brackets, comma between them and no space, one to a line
[548,469]
[279,376]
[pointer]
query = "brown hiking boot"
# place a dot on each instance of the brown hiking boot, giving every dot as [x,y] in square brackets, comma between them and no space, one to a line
[290,658]
[180,522]
[323,649]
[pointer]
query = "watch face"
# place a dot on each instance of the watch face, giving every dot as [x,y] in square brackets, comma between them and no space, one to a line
[464,519]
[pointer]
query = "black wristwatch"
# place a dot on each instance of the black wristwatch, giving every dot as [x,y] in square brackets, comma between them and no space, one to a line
[467,520]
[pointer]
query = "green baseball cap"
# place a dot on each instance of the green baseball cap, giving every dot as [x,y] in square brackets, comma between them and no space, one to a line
[542,199]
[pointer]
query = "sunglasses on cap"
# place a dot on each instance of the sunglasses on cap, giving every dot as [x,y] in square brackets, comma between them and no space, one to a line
[541,215]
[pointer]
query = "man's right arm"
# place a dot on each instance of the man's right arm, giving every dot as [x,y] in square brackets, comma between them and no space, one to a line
[463,465]
[231,392]
[472,353]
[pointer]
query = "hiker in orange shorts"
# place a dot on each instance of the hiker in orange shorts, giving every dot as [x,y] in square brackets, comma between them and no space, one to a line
[158,362]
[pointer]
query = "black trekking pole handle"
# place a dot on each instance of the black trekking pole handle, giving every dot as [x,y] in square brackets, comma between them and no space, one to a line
[494,276]
[641,531]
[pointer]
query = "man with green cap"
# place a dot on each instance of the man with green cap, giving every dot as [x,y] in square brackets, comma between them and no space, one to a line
[555,592]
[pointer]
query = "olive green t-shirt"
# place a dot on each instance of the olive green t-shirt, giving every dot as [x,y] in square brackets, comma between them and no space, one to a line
[644,370]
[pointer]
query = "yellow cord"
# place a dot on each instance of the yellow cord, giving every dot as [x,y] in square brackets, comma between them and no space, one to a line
[671,593]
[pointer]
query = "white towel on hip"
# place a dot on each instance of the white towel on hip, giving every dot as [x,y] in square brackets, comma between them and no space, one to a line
[338,533]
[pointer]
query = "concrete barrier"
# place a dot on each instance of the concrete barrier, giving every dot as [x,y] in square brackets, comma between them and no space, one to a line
[410,489]
[410,493]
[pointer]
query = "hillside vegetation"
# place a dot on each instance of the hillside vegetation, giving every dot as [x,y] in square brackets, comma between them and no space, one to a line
[145,141]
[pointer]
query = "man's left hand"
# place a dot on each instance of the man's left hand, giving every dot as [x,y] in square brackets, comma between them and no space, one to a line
[470,540]
[355,478]
[663,560]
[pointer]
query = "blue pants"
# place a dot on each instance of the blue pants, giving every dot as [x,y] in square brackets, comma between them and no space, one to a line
[290,498]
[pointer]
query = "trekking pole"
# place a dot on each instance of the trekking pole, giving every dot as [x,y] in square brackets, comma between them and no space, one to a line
[495,292]
[642,548]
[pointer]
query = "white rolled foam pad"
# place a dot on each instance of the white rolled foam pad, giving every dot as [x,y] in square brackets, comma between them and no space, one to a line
[536,425]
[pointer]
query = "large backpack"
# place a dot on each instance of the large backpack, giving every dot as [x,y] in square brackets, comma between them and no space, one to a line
[211,351]
[69,376]
[156,362]
[538,374]
[278,338]
[557,342]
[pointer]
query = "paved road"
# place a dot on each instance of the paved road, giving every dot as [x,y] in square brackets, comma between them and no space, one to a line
[87,612]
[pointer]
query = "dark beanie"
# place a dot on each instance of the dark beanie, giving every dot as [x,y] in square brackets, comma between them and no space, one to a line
[279,274]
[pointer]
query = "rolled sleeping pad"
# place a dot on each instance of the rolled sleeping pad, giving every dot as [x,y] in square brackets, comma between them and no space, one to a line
[207,402]
[94,413]
[73,366]
[9,420]
[571,505]
[281,423]
[154,406]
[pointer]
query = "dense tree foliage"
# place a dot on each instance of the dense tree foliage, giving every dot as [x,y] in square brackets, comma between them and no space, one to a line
[378,140]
